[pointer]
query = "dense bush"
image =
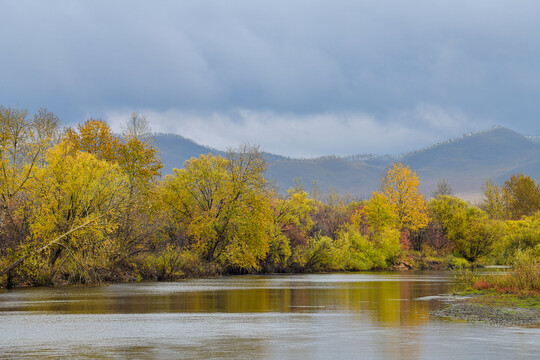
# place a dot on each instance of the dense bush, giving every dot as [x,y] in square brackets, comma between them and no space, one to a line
[469,230]
[524,277]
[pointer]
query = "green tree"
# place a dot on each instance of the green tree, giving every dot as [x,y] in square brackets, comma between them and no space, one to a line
[522,196]
[494,202]
[468,228]
[518,197]
[520,236]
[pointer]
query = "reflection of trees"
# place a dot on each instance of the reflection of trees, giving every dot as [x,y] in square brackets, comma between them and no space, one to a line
[248,316]
[387,303]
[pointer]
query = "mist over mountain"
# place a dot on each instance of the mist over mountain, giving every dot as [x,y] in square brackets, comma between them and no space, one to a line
[466,163]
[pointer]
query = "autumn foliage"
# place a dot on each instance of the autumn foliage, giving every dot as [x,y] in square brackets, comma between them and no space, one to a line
[86,205]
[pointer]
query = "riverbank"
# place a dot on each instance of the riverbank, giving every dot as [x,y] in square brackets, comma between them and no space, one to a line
[142,272]
[494,308]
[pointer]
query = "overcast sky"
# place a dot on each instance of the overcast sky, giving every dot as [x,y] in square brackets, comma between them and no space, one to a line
[300,78]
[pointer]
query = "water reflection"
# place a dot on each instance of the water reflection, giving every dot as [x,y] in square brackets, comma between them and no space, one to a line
[387,297]
[369,315]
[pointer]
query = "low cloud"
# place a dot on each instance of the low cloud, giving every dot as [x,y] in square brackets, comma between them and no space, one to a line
[340,133]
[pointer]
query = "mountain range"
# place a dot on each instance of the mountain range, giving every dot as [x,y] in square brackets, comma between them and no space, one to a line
[465,163]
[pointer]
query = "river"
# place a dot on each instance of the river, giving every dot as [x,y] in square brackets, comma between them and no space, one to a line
[375,315]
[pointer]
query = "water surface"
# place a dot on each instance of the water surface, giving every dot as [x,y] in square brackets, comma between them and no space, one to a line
[355,315]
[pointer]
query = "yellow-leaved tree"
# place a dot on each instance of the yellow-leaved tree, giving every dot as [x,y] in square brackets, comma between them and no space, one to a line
[133,151]
[495,200]
[372,240]
[23,142]
[94,136]
[400,186]
[137,155]
[223,207]
[139,160]
[75,200]
[379,213]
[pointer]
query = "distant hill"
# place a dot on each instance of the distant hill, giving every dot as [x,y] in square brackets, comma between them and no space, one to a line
[357,178]
[465,163]
[175,150]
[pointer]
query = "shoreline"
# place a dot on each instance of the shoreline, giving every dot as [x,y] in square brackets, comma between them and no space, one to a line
[127,278]
[493,309]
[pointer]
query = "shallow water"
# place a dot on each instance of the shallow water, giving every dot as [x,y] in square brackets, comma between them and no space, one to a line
[356,315]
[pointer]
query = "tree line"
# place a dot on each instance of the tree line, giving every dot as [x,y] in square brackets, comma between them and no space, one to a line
[84,205]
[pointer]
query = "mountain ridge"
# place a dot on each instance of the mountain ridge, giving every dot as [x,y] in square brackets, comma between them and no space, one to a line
[465,162]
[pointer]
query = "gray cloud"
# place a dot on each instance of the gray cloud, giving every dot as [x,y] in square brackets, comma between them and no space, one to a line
[300,58]
[313,135]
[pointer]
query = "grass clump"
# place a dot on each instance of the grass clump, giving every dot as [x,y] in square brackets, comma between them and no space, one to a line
[497,299]
[523,279]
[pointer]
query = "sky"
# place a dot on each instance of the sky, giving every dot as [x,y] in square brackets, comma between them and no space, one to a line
[299,78]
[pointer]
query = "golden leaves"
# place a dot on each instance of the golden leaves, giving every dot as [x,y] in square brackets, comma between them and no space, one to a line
[400,186]
[73,187]
[224,205]
[137,157]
